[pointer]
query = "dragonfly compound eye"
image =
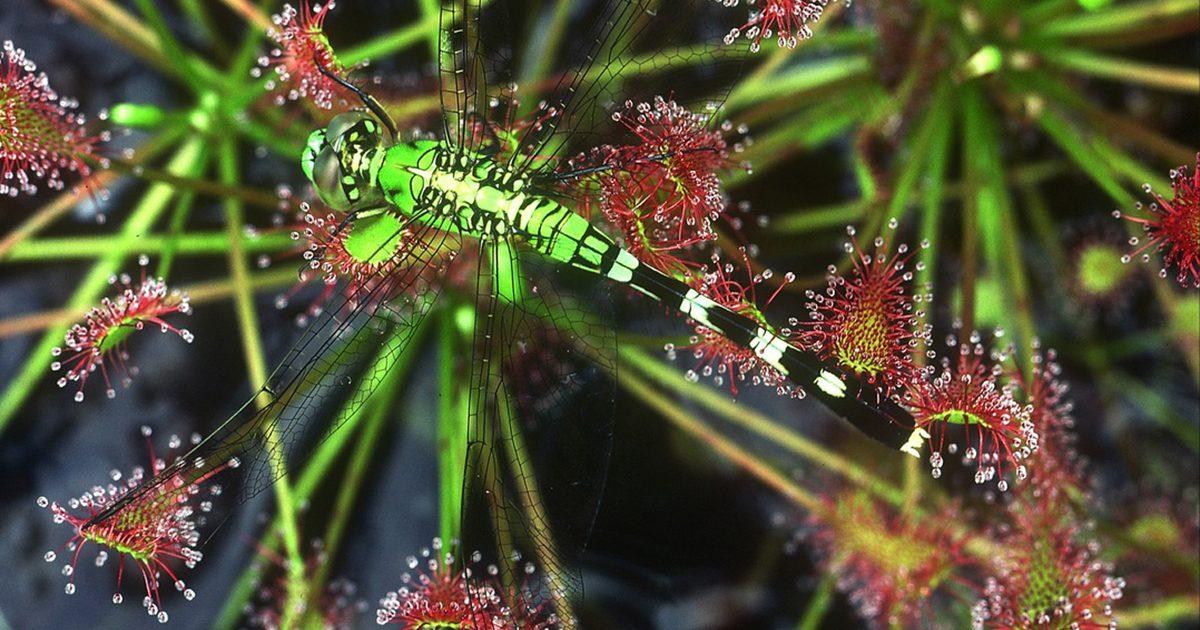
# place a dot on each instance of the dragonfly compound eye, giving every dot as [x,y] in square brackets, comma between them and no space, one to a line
[341,160]
[331,182]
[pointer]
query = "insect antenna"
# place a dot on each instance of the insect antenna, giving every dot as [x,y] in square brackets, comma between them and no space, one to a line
[368,100]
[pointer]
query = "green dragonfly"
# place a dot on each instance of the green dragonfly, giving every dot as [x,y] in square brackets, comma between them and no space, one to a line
[536,456]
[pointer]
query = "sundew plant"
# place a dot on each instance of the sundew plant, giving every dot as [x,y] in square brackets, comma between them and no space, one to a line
[600,313]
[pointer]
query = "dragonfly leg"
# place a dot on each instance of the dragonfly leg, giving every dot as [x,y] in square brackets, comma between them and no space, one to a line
[367,99]
[601,168]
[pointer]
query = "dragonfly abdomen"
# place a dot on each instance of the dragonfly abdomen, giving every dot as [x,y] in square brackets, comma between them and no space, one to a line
[878,417]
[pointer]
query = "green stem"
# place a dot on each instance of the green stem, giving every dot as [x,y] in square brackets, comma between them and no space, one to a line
[328,454]
[746,460]
[1185,80]
[935,190]
[1158,409]
[810,128]
[198,15]
[393,42]
[1134,131]
[818,605]
[931,199]
[970,219]
[123,29]
[933,125]
[543,48]
[1161,613]
[1096,164]
[451,434]
[239,69]
[199,293]
[1135,172]
[257,366]
[193,243]
[249,195]
[64,202]
[641,362]
[512,439]
[997,227]
[821,76]
[1119,19]
[1041,219]
[822,218]
[170,247]
[842,214]
[377,410]
[169,44]
[1090,162]
[272,138]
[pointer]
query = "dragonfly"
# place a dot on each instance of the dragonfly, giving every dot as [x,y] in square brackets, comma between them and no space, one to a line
[536,457]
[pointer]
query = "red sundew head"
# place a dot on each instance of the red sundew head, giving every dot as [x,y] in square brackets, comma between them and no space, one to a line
[716,356]
[442,595]
[787,19]
[367,257]
[438,595]
[890,564]
[621,203]
[869,323]
[997,429]
[336,607]
[41,135]
[518,608]
[663,191]
[157,531]
[303,50]
[1173,226]
[1045,396]
[100,341]
[1048,572]
[321,237]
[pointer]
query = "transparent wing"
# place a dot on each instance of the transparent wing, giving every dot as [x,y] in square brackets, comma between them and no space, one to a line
[556,93]
[625,50]
[475,65]
[540,421]
[324,375]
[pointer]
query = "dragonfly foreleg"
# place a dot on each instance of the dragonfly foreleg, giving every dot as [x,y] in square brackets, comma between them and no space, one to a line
[368,100]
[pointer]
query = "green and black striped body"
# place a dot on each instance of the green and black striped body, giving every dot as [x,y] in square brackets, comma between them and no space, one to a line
[429,181]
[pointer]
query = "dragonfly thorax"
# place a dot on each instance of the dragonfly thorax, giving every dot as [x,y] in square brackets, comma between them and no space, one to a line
[480,197]
[352,169]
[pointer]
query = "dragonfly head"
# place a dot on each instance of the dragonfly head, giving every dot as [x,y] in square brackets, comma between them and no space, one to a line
[342,160]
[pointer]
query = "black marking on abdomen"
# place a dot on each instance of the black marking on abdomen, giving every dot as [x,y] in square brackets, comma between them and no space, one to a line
[659,286]
[878,417]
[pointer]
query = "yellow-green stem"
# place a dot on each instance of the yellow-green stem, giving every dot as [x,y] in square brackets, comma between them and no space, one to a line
[257,367]
[642,364]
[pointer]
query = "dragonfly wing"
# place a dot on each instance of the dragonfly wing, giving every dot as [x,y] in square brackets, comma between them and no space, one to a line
[556,93]
[475,64]
[626,50]
[540,421]
[324,374]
